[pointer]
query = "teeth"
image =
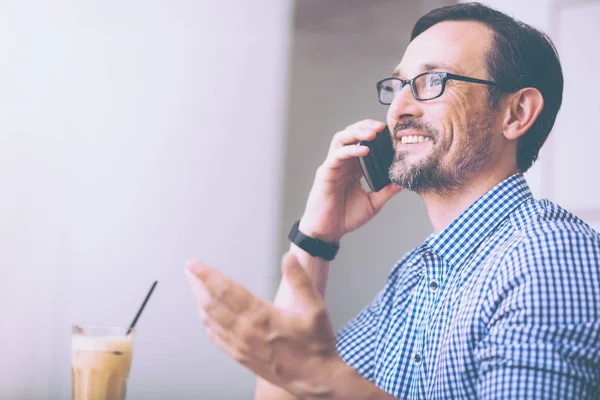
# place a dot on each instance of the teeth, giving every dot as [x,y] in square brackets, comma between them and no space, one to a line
[415,139]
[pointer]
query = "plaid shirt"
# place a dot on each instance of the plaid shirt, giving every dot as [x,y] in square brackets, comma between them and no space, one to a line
[502,304]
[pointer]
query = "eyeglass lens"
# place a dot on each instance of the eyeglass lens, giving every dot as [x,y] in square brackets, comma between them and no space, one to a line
[425,87]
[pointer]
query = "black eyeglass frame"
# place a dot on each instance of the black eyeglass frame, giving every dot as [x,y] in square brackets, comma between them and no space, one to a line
[445,76]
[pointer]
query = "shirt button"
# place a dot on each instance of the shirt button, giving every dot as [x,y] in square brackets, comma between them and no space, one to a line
[433,285]
[417,358]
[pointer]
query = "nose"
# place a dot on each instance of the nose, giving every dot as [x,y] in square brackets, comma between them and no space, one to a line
[404,107]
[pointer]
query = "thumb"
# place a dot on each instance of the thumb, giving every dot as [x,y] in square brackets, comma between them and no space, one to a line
[378,199]
[300,284]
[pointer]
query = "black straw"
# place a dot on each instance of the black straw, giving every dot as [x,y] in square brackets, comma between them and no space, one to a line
[141,308]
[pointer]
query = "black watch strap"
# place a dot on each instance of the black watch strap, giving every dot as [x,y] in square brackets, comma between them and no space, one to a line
[314,247]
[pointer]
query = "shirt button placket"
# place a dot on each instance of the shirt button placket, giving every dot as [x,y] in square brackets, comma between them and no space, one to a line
[433,285]
[417,358]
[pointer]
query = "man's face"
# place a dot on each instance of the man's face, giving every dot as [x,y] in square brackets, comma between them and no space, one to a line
[460,124]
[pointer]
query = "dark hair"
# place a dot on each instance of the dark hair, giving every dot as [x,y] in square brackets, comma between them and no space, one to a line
[521,56]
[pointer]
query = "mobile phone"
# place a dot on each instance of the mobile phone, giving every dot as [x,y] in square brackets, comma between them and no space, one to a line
[376,165]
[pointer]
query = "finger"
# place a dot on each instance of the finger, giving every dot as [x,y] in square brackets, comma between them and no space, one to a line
[362,130]
[228,292]
[378,199]
[338,156]
[249,339]
[224,342]
[248,333]
[258,367]
[349,137]
[301,285]
[211,310]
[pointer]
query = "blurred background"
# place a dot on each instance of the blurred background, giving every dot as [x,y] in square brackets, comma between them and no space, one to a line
[135,135]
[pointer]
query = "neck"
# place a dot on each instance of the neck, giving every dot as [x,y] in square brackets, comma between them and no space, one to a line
[443,208]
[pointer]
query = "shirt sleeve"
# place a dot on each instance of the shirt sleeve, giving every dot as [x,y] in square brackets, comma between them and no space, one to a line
[356,342]
[543,336]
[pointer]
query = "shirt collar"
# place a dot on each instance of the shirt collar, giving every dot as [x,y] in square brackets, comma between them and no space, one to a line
[456,242]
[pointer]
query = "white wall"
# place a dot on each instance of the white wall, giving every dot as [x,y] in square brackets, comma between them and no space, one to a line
[134,135]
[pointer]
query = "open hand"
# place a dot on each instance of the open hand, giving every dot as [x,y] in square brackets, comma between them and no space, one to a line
[291,348]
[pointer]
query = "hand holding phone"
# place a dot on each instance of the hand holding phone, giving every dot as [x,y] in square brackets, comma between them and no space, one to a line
[376,164]
[338,203]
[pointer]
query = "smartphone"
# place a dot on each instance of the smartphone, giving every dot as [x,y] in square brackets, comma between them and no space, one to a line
[376,165]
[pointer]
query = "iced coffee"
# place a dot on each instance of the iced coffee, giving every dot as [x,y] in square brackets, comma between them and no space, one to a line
[100,362]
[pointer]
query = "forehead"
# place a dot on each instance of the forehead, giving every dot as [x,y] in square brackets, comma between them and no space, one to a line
[453,46]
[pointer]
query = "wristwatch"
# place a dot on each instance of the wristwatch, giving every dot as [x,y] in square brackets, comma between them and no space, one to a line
[314,247]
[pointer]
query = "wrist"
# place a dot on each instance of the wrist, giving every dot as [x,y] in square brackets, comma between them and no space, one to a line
[326,376]
[315,267]
[314,246]
[313,230]
[339,381]
[348,384]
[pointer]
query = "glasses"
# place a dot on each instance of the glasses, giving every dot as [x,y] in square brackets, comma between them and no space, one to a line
[426,86]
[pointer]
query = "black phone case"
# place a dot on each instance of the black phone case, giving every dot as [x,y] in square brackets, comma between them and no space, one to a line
[376,165]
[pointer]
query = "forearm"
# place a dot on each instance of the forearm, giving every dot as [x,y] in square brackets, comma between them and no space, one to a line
[343,384]
[318,270]
[266,391]
[347,384]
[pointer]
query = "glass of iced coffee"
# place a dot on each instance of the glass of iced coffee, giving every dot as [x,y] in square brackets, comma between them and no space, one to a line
[100,362]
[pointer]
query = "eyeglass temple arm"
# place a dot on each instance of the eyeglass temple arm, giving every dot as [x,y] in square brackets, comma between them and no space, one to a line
[467,79]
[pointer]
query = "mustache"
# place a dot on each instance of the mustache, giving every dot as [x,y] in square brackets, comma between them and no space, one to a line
[418,126]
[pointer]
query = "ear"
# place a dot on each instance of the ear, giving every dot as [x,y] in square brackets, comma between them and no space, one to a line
[523,108]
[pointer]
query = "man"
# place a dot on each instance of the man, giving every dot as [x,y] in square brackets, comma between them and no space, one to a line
[502,301]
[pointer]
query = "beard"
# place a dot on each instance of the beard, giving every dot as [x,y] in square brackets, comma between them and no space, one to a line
[430,174]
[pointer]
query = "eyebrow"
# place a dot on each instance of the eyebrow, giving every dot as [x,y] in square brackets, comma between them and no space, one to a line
[427,67]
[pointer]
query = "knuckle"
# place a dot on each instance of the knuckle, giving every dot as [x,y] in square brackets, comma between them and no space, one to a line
[261,322]
[317,317]
[320,174]
[334,155]
[338,138]
[338,134]
[343,152]
[207,305]
[223,291]
[325,169]
[245,334]
[247,339]
[371,123]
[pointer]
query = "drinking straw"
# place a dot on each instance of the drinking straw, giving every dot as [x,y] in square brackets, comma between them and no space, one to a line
[137,316]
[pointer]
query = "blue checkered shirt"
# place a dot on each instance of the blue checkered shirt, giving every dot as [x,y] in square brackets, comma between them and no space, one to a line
[504,303]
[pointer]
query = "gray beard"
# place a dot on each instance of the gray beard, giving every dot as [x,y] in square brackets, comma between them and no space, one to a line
[429,176]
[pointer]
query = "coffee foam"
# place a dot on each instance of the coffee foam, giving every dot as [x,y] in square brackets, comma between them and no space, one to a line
[104,343]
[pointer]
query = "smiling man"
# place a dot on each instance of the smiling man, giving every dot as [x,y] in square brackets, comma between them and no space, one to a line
[501,301]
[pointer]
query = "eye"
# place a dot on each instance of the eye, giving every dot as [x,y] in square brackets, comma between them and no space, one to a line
[434,80]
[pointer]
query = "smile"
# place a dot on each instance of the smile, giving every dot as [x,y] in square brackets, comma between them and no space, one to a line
[414,139]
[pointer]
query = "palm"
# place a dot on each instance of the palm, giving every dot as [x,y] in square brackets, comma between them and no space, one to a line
[359,208]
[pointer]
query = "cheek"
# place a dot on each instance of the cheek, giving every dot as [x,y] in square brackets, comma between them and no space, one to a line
[447,125]
[460,112]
